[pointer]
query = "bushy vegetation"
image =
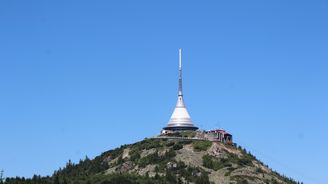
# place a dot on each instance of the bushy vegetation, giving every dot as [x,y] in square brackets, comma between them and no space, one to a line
[36,179]
[132,179]
[241,180]
[188,134]
[177,146]
[243,160]
[148,144]
[155,158]
[190,174]
[214,163]
[201,145]
[183,134]
[85,167]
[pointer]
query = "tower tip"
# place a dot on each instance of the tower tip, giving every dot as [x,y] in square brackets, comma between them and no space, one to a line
[180,58]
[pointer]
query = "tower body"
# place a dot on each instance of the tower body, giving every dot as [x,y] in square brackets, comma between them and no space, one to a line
[180,119]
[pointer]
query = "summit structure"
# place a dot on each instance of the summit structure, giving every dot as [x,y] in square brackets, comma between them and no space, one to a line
[180,119]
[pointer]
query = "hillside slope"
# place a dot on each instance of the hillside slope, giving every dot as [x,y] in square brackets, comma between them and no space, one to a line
[165,161]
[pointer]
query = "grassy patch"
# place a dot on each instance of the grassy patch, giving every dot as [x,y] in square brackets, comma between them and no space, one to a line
[212,162]
[177,146]
[188,134]
[244,160]
[157,159]
[183,134]
[201,145]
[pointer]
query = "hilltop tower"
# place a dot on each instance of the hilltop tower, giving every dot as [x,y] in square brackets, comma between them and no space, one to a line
[180,119]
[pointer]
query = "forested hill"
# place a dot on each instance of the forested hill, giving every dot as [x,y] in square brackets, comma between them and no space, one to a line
[163,161]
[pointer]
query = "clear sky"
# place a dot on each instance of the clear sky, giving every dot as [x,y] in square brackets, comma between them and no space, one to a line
[78,78]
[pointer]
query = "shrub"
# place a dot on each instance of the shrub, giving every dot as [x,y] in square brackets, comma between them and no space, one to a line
[149,144]
[149,159]
[212,162]
[201,145]
[203,179]
[188,134]
[177,146]
[184,142]
[169,154]
[207,161]
[170,143]
[134,155]
[259,170]
[245,161]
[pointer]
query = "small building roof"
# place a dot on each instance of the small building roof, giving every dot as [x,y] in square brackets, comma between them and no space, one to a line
[219,131]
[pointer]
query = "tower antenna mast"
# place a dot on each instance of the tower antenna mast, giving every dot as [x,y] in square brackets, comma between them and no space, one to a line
[180,72]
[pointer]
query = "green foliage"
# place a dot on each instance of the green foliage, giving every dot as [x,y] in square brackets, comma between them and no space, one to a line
[119,160]
[117,179]
[213,163]
[174,134]
[244,160]
[85,167]
[112,154]
[208,162]
[259,170]
[184,142]
[170,143]
[169,154]
[134,155]
[203,179]
[191,174]
[183,134]
[188,134]
[170,176]
[149,159]
[125,179]
[241,179]
[148,144]
[201,145]
[177,146]
[154,158]
[36,179]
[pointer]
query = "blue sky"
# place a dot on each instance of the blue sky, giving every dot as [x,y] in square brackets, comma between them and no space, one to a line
[81,77]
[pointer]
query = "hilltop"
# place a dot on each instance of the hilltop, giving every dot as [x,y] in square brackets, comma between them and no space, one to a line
[165,161]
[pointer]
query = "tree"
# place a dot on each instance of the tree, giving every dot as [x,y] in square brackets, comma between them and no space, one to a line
[56,179]
[64,181]
[170,177]
[203,179]
[1,177]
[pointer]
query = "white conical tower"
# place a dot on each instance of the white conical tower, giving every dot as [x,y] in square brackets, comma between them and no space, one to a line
[180,119]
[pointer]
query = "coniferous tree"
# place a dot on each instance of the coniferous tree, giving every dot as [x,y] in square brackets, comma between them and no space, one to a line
[1,177]
[64,181]
[56,179]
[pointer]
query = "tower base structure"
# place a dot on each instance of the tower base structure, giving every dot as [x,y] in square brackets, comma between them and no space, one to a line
[181,128]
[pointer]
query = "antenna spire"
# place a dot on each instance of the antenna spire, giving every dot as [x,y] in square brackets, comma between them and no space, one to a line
[180,72]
